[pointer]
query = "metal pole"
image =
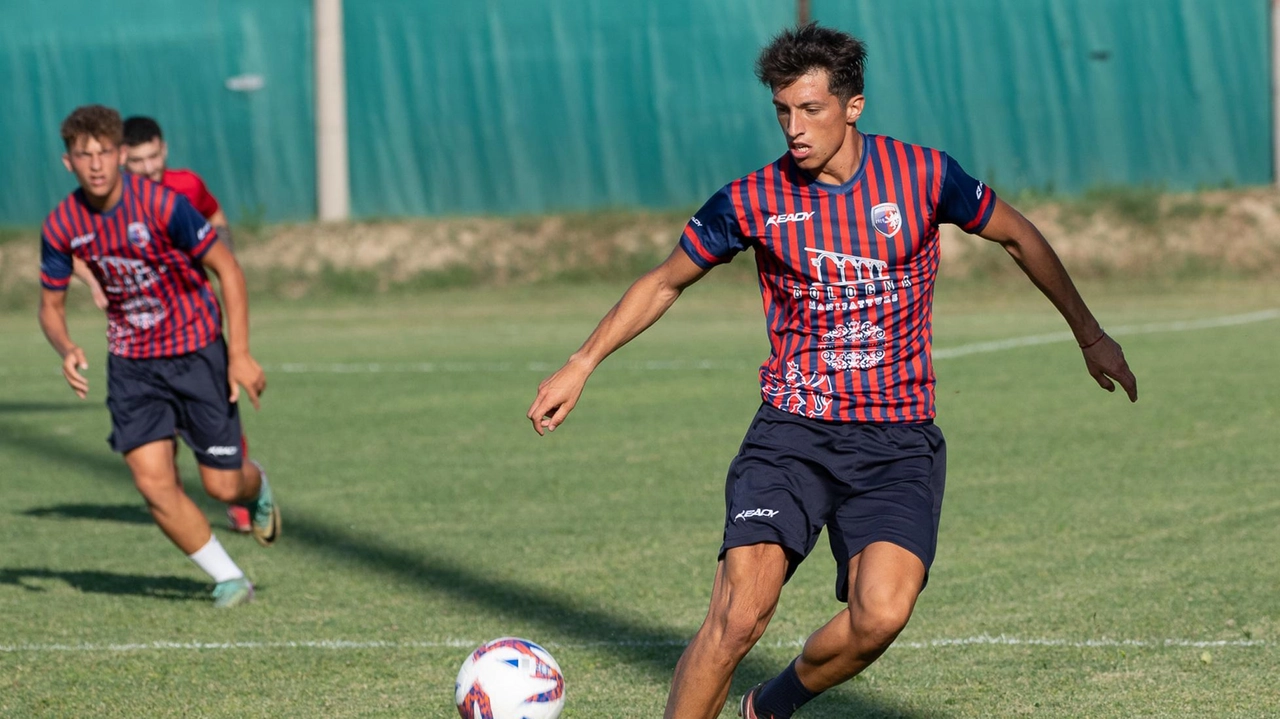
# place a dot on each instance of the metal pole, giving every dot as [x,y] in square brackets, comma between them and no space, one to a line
[1275,93]
[803,15]
[333,184]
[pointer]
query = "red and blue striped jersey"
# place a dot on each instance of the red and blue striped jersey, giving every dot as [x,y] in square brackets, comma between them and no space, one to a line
[146,254]
[846,275]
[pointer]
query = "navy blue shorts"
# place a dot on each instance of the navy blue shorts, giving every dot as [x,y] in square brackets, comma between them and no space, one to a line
[864,482]
[154,399]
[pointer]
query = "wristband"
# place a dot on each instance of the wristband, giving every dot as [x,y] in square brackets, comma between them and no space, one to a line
[1100,337]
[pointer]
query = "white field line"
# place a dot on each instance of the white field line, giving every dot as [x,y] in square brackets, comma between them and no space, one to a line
[683,365]
[337,644]
[718,365]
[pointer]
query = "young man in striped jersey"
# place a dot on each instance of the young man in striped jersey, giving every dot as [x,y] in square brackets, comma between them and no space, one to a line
[169,370]
[844,227]
[147,155]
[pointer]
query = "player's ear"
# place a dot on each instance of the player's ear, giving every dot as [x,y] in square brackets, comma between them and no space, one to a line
[124,155]
[66,162]
[853,108]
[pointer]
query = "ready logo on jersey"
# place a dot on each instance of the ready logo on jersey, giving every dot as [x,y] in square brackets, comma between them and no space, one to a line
[790,217]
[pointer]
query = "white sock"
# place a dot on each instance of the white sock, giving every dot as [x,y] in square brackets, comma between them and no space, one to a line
[215,561]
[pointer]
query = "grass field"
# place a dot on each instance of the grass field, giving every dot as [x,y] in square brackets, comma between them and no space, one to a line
[1096,558]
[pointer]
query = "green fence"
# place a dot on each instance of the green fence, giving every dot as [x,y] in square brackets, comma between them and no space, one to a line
[171,60]
[513,106]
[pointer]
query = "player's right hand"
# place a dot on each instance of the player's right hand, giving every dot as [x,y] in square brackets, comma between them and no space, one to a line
[73,362]
[557,396]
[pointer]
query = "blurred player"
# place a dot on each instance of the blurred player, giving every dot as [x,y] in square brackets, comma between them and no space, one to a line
[146,154]
[169,370]
[845,232]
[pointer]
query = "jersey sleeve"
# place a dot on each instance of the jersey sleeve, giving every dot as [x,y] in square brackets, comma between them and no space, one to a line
[188,229]
[55,263]
[205,203]
[714,235]
[963,200]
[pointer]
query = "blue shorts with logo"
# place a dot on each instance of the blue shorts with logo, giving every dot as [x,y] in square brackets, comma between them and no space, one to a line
[864,482]
[154,399]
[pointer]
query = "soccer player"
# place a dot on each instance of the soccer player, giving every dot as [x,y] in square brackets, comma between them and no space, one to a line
[146,154]
[169,370]
[844,227]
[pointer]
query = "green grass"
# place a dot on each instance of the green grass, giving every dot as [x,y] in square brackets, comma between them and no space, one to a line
[421,510]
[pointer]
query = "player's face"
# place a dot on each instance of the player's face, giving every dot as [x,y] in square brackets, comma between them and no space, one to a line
[817,125]
[96,164]
[147,159]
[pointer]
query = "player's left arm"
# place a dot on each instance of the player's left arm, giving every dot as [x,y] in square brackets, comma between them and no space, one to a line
[242,369]
[1028,247]
[219,221]
[194,235]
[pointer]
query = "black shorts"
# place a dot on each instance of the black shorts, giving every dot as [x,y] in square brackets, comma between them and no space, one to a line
[154,399]
[864,482]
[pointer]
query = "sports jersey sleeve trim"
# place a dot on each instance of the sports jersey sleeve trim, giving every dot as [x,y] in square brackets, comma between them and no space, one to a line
[692,246]
[206,244]
[55,263]
[985,210]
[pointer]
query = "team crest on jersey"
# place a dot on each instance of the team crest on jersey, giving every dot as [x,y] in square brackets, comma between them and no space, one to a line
[138,235]
[886,218]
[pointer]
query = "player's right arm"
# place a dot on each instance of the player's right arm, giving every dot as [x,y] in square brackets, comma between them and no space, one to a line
[55,276]
[641,306]
[713,236]
[53,320]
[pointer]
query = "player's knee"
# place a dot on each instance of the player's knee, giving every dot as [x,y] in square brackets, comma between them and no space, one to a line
[223,491]
[156,486]
[739,626]
[877,620]
[223,485]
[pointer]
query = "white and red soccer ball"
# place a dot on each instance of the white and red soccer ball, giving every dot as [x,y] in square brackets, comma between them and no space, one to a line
[509,678]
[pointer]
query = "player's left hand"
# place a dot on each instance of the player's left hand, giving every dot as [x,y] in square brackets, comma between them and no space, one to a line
[1105,361]
[244,371]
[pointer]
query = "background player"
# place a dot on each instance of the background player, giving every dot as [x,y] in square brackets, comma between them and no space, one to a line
[845,232]
[147,154]
[169,371]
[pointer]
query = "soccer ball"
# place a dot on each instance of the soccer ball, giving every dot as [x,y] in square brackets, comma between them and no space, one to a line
[509,678]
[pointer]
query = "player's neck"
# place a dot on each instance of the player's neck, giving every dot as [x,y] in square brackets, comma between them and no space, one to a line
[845,163]
[107,201]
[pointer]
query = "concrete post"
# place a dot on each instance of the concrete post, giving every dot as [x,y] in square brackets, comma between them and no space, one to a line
[333,183]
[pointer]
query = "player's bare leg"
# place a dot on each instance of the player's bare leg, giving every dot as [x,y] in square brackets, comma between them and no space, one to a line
[155,476]
[743,599]
[233,486]
[246,486]
[884,582]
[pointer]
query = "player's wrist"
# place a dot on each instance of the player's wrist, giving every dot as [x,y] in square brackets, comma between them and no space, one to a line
[1102,334]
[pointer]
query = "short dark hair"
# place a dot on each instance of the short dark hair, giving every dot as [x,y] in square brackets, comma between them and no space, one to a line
[95,121]
[139,129]
[795,52]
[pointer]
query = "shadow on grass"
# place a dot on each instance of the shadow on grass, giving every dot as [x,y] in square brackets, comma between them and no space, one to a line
[655,649]
[171,588]
[125,513]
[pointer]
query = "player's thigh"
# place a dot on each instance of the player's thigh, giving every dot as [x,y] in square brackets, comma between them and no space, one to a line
[777,490]
[153,469]
[747,585]
[208,420]
[142,407]
[895,500]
